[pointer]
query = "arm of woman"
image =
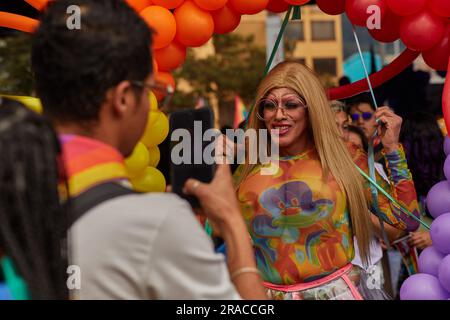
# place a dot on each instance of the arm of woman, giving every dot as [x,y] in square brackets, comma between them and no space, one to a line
[401,186]
[401,189]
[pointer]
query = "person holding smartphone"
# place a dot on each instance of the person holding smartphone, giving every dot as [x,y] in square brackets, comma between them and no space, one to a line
[94,84]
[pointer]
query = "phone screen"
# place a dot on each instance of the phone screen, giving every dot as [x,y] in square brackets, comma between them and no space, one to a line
[187,130]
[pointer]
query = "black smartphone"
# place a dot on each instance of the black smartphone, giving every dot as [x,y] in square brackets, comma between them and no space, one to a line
[187,151]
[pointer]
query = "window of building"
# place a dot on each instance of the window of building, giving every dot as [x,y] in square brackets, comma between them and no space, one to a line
[323,30]
[295,31]
[325,66]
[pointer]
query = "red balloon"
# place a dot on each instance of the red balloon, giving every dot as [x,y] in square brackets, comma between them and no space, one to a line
[225,20]
[170,57]
[390,28]
[211,5]
[357,10]
[163,22]
[194,25]
[438,56]
[248,6]
[297,2]
[277,6]
[387,73]
[440,7]
[333,7]
[169,4]
[422,31]
[406,7]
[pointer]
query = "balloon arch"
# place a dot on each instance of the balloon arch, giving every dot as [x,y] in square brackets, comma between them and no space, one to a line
[422,25]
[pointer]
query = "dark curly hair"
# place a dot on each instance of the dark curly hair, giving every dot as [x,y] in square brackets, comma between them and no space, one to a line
[423,140]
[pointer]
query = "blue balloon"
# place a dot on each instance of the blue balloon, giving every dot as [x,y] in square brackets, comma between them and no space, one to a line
[429,261]
[423,286]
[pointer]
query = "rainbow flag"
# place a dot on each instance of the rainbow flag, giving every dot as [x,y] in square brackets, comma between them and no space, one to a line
[240,112]
[409,255]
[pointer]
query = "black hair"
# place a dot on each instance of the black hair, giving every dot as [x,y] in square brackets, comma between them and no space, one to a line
[422,140]
[355,101]
[33,227]
[358,131]
[74,69]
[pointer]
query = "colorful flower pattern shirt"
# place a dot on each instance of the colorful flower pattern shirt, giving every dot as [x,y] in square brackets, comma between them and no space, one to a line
[300,224]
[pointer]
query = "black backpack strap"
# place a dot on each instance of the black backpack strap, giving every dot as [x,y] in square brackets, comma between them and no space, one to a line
[95,196]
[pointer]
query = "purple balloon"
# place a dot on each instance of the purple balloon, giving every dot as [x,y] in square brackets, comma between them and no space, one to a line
[423,286]
[447,145]
[440,233]
[447,168]
[429,261]
[438,199]
[444,273]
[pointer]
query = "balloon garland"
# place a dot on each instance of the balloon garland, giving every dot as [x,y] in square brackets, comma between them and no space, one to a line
[422,25]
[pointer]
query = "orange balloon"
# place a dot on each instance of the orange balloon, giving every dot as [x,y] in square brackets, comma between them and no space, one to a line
[170,57]
[139,5]
[225,20]
[248,6]
[155,66]
[211,5]
[169,4]
[18,22]
[163,22]
[38,4]
[194,25]
[164,78]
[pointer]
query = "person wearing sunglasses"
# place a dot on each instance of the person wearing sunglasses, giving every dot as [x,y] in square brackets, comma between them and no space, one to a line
[302,219]
[361,111]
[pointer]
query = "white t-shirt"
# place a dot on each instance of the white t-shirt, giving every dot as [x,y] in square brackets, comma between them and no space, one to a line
[376,251]
[147,246]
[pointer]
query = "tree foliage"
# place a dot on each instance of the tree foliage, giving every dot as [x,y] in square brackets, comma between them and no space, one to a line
[237,67]
[15,69]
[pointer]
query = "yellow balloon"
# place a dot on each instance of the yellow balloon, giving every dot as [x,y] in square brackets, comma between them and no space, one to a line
[154,111]
[138,161]
[31,103]
[154,155]
[153,102]
[156,133]
[151,181]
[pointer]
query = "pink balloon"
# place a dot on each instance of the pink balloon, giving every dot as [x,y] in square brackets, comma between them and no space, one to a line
[405,7]
[438,56]
[390,28]
[422,31]
[440,7]
[357,10]
[333,7]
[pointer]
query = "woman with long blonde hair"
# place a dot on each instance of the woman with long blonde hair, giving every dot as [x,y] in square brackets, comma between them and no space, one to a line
[302,219]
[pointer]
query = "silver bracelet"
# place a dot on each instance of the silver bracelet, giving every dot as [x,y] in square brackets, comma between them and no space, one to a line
[240,271]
